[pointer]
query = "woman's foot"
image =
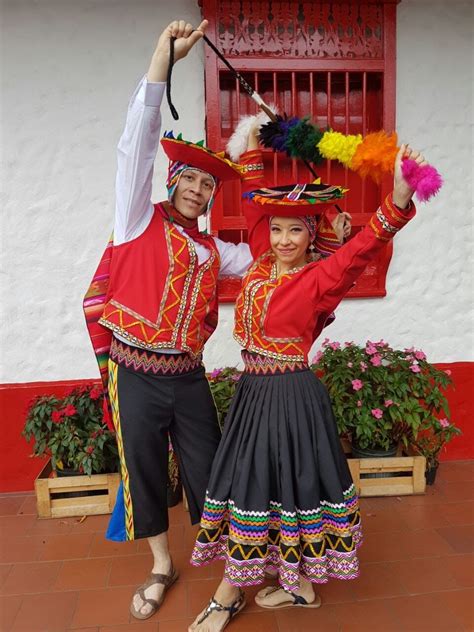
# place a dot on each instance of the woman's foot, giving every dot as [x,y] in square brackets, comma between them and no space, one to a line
[226,603]
[277,597]
[149,596]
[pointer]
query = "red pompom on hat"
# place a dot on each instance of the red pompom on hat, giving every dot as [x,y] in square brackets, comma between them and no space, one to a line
[200,157]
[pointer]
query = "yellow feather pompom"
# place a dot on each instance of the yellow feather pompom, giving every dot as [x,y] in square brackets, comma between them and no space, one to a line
[375,156]
[337,146]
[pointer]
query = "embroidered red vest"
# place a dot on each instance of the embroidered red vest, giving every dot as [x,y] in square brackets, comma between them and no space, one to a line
[159,297]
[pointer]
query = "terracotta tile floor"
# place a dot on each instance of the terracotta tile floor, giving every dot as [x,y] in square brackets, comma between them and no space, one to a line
[417,571]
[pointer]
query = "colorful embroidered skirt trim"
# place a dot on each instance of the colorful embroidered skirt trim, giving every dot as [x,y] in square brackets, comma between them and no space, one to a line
[152,362]
[257,364]
[319,544]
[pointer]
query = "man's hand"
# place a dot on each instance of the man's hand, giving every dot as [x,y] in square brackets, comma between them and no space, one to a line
[402,192]
[342,225]
[186,36]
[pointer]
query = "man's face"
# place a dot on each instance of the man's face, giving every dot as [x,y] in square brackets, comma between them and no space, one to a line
[193,192]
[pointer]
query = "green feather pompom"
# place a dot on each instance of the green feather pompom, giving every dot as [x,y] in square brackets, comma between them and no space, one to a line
[302,141]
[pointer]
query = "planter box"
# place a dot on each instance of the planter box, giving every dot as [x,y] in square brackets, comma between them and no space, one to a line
[71,495]
[392,476]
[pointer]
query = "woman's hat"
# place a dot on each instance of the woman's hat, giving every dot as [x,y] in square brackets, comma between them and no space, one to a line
[295,200]
[200,157]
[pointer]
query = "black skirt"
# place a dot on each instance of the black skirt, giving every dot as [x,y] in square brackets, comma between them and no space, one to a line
[280,495]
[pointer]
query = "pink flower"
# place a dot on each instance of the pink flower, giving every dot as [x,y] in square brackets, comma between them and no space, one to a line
[363,366]
[335,345]
[57,416]
[415,368]
[70,410]
[349,344]
[317,357]
[381,343]
[359,403]
[376,360]
[420,355]
[235,378]
[444,422]
[377,413]
[350,365]
[370,348]
[90,449]
[215,373]
[387,403]
[325,342]
[357,385]
[95,393]
[448,371]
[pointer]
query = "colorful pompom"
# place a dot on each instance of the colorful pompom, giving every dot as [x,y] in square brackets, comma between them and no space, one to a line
[303,139]
[274,134]
[337,146]
[375,155]
[425,180]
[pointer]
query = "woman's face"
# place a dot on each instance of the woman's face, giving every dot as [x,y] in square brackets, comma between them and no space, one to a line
[289,239]
[193,193]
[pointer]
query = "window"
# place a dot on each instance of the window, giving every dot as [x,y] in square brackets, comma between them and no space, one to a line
[333,62]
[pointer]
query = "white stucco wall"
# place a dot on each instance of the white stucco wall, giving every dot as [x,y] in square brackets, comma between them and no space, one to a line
[67,71]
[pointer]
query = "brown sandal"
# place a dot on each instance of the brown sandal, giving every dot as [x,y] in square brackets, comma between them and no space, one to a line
[154,578]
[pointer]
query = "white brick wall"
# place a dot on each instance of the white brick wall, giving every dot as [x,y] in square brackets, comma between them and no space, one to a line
[67,72]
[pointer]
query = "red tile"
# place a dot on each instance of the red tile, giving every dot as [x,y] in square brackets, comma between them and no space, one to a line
[9,607]
[424,575]
[4,571]
[33,577]
[187,572]
[89,524]
[199,594]
[174,605]
[423,613]
[50,526]
[383,546]
[307,619]
[139,626]
[362,616]
[423,516]
[377,581]
[14,526]
[28,505]
[52,612]
[460,605]
[10,505]
[337,591]
[461,567]
[457,491]
[373,521]
[84,574]
[65,547]
[182,625]
[130,570]
[460,537]
[104,607]
[426,543]
[101,547]
[178,515]
[454,471]
[21,549]
[459,513]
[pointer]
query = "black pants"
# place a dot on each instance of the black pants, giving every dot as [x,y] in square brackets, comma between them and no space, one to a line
[146,408]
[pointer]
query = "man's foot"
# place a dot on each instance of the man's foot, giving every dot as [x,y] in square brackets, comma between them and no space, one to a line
[149,596]
[216,615]
[276,597]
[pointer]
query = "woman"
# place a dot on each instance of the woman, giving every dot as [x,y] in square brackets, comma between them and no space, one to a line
[280,497]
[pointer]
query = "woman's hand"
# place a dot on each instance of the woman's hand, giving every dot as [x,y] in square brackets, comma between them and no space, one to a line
[342,225]
[186,36]
[402,192]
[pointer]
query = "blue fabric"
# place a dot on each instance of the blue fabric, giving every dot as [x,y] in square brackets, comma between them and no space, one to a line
[116,530]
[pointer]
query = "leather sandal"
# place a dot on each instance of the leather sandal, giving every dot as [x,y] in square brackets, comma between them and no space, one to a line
[293,600]
[154,578]
[234,609]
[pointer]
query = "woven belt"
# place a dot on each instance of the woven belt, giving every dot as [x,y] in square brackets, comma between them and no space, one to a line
[151,361]
[263,365]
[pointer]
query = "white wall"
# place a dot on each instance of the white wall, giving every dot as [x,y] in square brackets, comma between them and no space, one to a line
[67,72]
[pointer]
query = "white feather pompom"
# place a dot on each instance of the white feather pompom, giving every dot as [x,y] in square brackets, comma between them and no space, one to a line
[237,143]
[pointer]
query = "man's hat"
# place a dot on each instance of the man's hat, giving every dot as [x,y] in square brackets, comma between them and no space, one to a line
[200,157]
[296,200]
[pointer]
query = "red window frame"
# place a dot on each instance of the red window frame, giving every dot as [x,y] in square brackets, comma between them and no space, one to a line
[347,83]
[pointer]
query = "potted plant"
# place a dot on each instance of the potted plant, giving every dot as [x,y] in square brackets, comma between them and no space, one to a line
[382,397]
[430,441]
[71,431]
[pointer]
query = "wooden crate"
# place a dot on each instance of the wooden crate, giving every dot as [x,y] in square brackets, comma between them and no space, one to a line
[411,468]
[54,497]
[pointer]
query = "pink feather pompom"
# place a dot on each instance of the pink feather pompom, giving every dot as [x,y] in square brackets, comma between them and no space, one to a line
[425,181]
